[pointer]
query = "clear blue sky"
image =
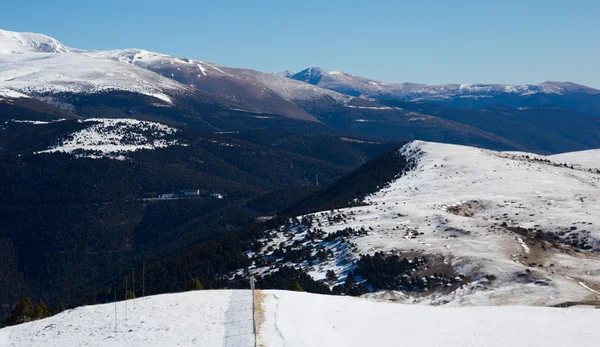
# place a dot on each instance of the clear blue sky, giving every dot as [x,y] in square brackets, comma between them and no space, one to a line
[427,41]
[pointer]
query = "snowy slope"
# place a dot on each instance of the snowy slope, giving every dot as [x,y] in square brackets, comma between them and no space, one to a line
[152,60]
[585,159]
[224,318]
[8,94]
[210,318]
[42,73]
[40,66]
[289,89]
[520,230]
[302,320]
[15,43]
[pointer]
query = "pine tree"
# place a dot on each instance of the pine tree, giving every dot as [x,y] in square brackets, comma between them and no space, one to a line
[331,276]
[129,295]
[195,284]
[350,279]
[296,287]
[62,307]
[41,311]
[23,312]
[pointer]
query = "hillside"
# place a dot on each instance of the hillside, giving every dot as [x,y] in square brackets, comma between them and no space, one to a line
[430,223]
[540,129]
[479,225]
[81,198]
[224,318]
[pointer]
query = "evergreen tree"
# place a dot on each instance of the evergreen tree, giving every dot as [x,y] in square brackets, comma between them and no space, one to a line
[296,287]
[331,276]
[23,312]
[195,284]
[129,295]
[62,307]
[41,311]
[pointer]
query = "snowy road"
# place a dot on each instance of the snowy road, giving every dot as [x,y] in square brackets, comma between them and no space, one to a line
[239,331]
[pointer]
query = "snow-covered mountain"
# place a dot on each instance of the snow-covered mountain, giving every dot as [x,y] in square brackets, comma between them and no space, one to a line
[47,74]
[251,89]
[224,318]
[359,86]
[40,66]
[18,43]
[478,94]
[491,224]
[35,64]
[135,83]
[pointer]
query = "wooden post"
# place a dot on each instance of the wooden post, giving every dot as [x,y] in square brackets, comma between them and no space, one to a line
[143,278]
[133,279]
[115,290]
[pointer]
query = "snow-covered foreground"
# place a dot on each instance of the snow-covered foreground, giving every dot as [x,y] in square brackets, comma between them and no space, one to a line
[224,318]
[301,320]
[219,318]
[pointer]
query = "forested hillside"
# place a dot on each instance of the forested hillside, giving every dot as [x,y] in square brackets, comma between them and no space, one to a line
[69,224]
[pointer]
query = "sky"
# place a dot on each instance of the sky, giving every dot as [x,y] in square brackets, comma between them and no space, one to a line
[426,41]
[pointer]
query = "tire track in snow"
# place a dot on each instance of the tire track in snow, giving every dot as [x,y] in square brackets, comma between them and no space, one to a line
[238,320]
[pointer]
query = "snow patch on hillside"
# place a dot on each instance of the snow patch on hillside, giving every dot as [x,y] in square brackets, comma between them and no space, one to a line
[112,138]
[36,122]
[11,94]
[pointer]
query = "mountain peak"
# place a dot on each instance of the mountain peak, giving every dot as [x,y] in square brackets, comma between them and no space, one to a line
[571,87]
[285,73]
[310,75]
[15,42]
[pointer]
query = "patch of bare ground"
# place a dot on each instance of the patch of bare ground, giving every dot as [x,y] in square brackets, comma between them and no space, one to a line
[259,315]
[466,209]
[567,304]
[441,277]
[538,246]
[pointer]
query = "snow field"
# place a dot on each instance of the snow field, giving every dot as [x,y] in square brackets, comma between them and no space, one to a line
[223,318]
[216,318]
[301,320]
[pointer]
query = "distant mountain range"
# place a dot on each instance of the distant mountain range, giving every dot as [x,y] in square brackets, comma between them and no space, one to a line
[563,94]
[144,85]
